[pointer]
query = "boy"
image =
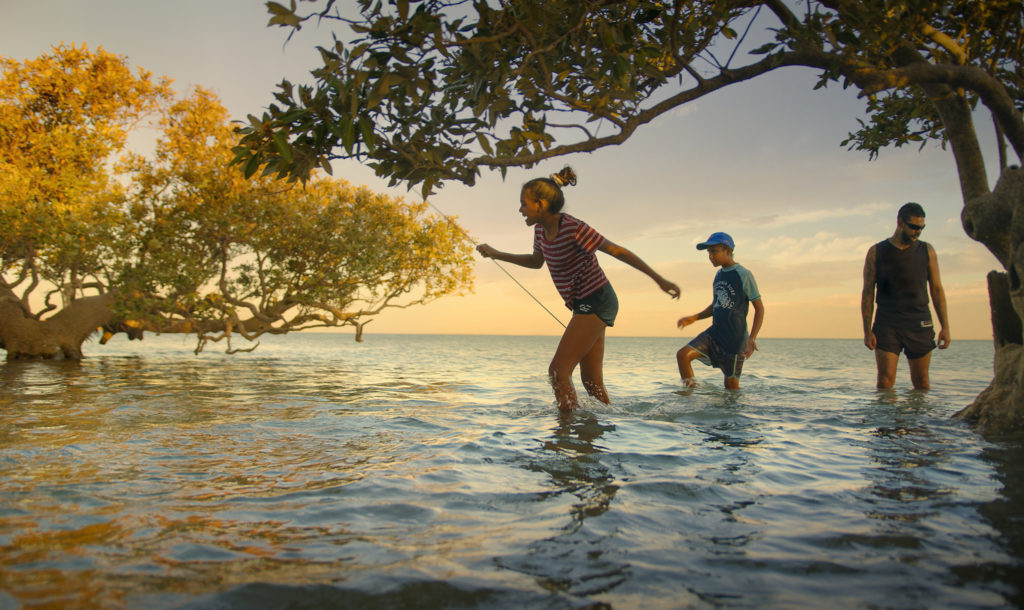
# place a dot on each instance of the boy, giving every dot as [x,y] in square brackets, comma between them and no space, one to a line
[725,344]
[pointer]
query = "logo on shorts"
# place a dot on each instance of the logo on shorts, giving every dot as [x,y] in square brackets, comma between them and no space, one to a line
[926,324]
[585,307]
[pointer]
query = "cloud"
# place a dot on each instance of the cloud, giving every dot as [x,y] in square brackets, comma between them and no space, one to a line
[823,247]
[716,217]
[791,218]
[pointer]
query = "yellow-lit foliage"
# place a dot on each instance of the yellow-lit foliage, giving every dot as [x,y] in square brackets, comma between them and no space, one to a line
[185,241]
[63,118]
[219,253]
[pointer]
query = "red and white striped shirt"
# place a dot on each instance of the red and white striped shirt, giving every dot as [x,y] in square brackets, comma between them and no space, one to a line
[570,258]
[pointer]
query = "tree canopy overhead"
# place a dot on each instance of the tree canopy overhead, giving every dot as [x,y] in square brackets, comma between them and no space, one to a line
[428,91]
[92,235]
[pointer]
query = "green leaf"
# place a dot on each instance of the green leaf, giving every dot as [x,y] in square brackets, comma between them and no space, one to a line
[283,149]
[283,16]
[485,144]
[348,135]
[252,166]
[366,129]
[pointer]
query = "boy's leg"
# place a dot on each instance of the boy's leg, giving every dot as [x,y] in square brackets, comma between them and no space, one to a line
[919,371]
[579,337]
[685,358]
[732,366]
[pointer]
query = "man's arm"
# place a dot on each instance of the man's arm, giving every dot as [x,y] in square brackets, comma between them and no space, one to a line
[867,298]
[938,298]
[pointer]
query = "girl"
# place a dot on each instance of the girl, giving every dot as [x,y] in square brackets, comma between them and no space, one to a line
[567,245]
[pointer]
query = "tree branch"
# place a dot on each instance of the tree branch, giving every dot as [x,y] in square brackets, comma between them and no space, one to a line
[992,92]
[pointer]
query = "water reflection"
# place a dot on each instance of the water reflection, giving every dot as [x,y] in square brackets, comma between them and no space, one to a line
[907,454]
[578,560]
[1006,514]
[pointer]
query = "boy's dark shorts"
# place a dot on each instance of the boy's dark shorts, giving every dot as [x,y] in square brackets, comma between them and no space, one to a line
[712,354]
[915,342]
[602,302]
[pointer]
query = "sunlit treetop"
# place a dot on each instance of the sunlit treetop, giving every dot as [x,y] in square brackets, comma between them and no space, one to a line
[93,235]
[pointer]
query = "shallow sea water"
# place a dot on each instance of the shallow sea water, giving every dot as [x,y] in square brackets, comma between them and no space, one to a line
[435,472]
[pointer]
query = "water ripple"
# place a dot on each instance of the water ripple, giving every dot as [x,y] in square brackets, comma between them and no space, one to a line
[435,472]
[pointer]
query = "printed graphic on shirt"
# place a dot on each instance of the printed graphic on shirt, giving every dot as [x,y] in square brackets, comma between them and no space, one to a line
[724,296]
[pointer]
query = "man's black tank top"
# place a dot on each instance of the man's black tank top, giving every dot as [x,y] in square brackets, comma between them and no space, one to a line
[902,278]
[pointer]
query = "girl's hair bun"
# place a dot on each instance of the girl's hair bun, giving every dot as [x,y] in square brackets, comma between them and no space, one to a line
[565,177]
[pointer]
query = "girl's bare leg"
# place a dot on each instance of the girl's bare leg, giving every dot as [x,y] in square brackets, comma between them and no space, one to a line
[579,338]
[592,370]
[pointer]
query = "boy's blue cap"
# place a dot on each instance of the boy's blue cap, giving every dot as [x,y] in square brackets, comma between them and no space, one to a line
[717,238]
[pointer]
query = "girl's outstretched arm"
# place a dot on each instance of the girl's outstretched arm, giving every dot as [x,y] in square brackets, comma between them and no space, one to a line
[634,261]
[532,261]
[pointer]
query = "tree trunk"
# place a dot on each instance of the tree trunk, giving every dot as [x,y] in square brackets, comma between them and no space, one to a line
[58,337]
[999,217]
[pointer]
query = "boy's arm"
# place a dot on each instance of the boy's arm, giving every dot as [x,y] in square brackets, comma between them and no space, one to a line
[867,299]
[688,320]
[755,327]
[532,261]
[634,261]
[938,298]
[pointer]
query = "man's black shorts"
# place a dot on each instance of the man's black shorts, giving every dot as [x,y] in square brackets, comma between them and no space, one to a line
[915,342]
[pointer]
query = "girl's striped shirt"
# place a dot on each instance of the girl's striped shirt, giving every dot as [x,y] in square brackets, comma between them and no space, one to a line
[570,258]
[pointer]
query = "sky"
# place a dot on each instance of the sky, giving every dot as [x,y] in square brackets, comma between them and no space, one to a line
[761,161]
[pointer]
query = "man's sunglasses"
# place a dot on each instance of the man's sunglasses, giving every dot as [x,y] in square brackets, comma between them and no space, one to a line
[913,227]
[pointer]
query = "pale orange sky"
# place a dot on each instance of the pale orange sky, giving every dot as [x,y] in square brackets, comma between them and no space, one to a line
[760,161]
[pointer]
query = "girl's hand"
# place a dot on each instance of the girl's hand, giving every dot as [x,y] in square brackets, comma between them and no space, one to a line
[486,251]
[669,287]
[686,321]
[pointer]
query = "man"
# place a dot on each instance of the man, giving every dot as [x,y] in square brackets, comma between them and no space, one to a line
[906,271]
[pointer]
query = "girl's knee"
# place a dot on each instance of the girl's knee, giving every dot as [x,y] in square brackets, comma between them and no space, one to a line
[558,372]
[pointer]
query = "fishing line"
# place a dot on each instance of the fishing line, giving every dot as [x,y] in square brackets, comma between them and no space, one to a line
[474,242]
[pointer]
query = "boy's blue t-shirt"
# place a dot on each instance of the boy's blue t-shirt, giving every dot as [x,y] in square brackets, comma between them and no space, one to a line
[734,288]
